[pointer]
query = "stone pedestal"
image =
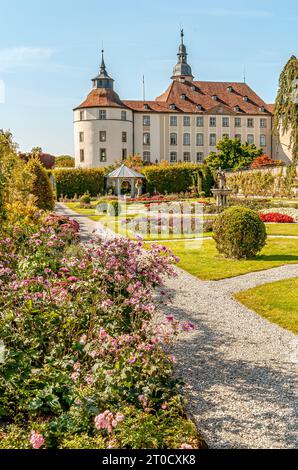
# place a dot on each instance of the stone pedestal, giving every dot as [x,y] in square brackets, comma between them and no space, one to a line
[221,196]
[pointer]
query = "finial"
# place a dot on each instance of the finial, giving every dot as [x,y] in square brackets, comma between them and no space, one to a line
[182,35]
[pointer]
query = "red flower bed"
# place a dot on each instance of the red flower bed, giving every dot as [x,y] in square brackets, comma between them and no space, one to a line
[277,218]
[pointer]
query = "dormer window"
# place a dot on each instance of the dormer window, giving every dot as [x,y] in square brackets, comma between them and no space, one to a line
[172,106]
[183,96]
[193,88]
[146,106]
[230,89]
[199,107]
[237,109]
[215,97]
[245,98]
[262,109]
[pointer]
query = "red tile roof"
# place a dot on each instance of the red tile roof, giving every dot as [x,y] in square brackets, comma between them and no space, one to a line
[102,97]
[186,96]
[201,93]
[271,108]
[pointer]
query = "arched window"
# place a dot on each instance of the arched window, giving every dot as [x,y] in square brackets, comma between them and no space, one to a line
[146,157]
[146,138]
[173,157]
[186,138]
[173,138]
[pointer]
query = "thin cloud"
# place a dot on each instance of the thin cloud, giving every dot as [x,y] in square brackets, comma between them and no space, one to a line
[238,13]
[17,57]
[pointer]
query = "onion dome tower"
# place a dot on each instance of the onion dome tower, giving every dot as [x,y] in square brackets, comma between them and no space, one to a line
[182,70]
[103,125]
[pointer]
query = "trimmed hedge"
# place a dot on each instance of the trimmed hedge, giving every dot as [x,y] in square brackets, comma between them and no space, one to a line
[177,178]
[72,181]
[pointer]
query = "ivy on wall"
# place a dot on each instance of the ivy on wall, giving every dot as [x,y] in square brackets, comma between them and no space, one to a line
[264,183]
[286,104]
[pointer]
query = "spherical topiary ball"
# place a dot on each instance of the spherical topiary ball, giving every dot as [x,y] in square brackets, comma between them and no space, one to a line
[239,233]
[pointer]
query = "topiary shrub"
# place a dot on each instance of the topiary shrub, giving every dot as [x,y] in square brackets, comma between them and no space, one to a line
[40,185]
[239,233]
[114,208]
[85,200]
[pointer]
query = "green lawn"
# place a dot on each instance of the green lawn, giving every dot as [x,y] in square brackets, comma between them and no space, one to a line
[282,229]
[277,301]
[205,262]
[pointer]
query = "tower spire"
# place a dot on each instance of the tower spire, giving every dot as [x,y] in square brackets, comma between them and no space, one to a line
[103,80]
[103,65]
[182,70]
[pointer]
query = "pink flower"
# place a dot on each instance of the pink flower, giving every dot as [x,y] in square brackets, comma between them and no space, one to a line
[107,420]
[132,360]
[83,339]
[188,326]
[186,446]
[89,379]
[75,376]
[170,318]
[36,440]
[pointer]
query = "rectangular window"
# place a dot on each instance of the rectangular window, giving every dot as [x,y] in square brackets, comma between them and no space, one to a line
[200,157]
[263,142]
[173,121]
[238,137]
[186,139]
[103,155]
[123,115]
[102,115]
[173,138]
[200,139]
[124,136]
[146,157]
[146,120]
[200,121]
[124,154]
[237,122]
[263,123]
[225,122]
[81,136]
[82,156]
[250,139]
[82,115]
[186,156]
[212,140]
[102,136]
[250,122]
[146,138]
[212,122]
[186,121]
[173,157]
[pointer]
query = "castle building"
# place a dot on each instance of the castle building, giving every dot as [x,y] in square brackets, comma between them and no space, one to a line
[181,125]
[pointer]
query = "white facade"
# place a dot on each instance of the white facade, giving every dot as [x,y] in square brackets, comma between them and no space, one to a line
[102,142]
[183,124]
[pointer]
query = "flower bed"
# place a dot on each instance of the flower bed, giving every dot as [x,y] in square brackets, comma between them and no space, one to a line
[276,217]
[83,366]
[292,212]
[155,225]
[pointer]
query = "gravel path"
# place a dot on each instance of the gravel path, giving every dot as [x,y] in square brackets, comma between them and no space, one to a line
[240,370]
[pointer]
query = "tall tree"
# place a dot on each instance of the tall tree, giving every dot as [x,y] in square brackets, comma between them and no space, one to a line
[232,155]
[286,104]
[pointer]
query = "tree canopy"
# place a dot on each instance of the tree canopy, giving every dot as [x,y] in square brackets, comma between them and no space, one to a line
[232,155]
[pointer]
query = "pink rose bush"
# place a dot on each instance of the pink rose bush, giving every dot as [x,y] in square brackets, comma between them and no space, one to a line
[85,366]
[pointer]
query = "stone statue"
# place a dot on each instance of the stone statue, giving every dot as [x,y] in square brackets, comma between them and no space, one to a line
[221,179]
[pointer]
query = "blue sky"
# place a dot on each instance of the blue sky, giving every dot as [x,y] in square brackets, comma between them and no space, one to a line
[49,51]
